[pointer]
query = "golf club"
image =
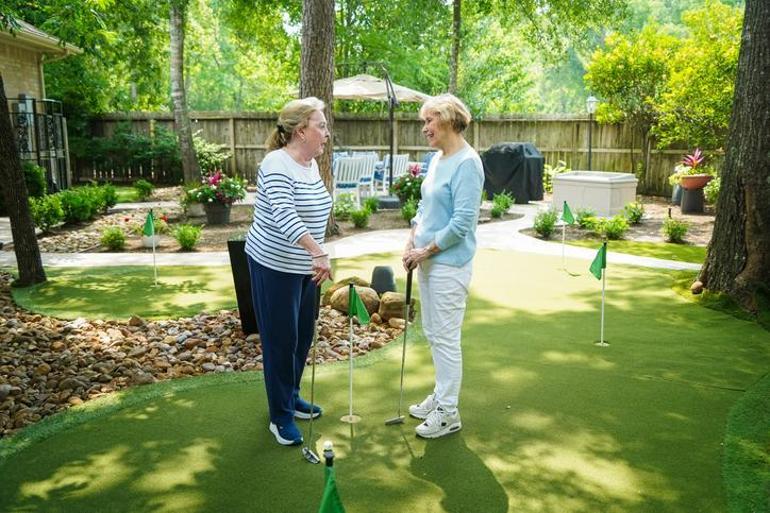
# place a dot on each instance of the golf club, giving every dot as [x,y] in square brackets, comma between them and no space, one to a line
[399,418]
[307,452]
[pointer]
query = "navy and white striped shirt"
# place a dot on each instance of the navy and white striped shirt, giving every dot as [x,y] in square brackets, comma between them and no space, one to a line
[291,201]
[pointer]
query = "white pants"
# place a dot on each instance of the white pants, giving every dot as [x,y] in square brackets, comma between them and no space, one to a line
[443,290]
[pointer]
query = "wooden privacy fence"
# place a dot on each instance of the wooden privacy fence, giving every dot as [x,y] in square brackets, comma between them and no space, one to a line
[558,137]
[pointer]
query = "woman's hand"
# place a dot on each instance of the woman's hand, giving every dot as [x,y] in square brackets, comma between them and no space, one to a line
[322,269]
[413,257]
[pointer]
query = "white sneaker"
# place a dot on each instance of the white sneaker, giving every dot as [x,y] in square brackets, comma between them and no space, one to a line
[439,423]
[421,411]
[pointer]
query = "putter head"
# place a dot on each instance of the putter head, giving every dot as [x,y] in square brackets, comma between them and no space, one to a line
[395,420]
[310,456]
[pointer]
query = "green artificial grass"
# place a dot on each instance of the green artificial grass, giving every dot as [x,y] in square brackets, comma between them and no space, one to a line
[662,250]
[119,292]
[126,194]
[552,423]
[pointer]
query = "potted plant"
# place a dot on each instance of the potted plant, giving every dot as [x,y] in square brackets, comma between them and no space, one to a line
[217,193]
[691,173]
[407,186]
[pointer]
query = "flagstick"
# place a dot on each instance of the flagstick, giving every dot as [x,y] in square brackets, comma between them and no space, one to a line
[601,342]
[350,418]
[154,266]
[563,243]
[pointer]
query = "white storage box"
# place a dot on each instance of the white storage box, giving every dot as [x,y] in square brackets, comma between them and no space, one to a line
[604,193]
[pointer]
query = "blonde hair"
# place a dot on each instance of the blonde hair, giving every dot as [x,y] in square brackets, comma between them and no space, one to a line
[449,110]
[294,115]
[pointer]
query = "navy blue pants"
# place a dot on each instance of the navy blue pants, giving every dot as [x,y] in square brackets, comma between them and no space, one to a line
[284,305]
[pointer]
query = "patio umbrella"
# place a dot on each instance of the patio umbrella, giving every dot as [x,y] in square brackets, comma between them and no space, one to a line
[367,87]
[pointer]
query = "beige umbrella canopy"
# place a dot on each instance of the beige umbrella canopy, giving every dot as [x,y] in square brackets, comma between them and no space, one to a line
[367,87]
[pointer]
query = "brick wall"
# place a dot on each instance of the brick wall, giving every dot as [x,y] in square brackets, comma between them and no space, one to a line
[21,72]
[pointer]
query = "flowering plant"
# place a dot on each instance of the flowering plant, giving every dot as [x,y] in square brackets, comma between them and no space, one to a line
[217,188]
[414,168]
[691,164]
[407,186]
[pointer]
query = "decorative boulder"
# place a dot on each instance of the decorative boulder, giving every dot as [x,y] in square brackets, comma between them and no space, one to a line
[339,300]
[392,306]
[355,280]
[383,279]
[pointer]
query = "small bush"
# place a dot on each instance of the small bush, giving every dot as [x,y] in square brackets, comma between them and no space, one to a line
[372,204]
[143,189]
[711,191]
[210,156]
[114,238]
[344,205]
[46,211]
[634,212]
[586,218]
[550,171]
[34,176]
[675,230]
[187,235]
[78,205]
[503,202]
[360,217]
[613,229]
[545,222]
[110,195]
[497,211]
[409,210]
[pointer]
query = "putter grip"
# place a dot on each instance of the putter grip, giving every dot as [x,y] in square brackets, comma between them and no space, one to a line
[409,287]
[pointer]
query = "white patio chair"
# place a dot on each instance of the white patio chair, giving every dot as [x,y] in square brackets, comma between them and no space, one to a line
[347,175]
[400,164]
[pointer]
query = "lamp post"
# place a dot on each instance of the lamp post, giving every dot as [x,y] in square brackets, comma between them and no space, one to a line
[591,103]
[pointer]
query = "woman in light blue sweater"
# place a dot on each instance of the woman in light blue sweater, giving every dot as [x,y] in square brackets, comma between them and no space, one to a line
[442,245]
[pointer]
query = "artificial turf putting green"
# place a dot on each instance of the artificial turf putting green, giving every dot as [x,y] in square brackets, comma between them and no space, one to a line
[552,423]
[119,292]
[662,250]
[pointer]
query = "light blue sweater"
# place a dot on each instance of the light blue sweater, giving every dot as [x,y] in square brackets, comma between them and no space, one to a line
[449,209]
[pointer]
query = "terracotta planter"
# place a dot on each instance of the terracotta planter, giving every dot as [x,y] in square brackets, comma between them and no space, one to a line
[694,182]
[217,213]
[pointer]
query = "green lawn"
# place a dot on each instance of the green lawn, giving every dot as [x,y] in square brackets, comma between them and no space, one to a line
[663,250]
[551,422]
[126,194]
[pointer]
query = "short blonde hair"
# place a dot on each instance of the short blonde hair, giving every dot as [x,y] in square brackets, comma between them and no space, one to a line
[294,115]
[449,110]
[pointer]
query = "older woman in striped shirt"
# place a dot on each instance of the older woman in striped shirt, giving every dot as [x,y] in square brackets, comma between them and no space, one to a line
[287,260]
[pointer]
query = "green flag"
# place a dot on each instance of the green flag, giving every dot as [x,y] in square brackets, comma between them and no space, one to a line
[600,262]
[149,226]
[356,306]
[331,502]
[566,214]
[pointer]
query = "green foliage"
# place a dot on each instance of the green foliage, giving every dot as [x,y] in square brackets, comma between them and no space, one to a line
[344,206]
[46,211]
[612,229]
[34,176]
[545,223]
[210,156]
[407,187]
[409,210]
[711,190]
[187,235]
[550,171]
[372,204]
[675,230]
[217,188]
[585,217]
[113,238]
[503,201]
[81,204]
[634,212]
[360,217]
[110,195]
[496,212]
[143,189]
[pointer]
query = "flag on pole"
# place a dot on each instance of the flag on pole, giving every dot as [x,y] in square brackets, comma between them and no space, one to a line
[149,226]
[356,307]
[600,262]
[566,214]
[331,502]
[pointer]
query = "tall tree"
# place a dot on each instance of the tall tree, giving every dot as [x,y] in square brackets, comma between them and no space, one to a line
[456,35]
[16,197]
[190,167]
[738,258]
[317,70]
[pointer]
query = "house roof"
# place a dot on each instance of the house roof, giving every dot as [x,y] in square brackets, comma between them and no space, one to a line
[31,37]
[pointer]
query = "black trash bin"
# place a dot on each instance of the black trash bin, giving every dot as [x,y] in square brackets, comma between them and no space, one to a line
[516,168]
[242,282]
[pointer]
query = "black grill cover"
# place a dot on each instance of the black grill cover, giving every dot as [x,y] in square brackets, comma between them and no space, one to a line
[516,168]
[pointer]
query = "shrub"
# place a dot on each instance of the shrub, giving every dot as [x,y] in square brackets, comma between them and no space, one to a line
[114,238]
[634,212]
[372,204]
[344,205]
[360,217]
[675,230]
[613,229]
[503,201]
[497,211]
[78,205]
[187,235]
[34,176]
[407,187]
[545,222]
[586,218]
[110,195]
[143,189]
[711,191]
[409,210]
[46,211]
[550,171]
[210,156]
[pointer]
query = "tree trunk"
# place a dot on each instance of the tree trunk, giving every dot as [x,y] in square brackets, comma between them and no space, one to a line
[738,258]
[455,55]
[14,190]
[190,168]
[317,73]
